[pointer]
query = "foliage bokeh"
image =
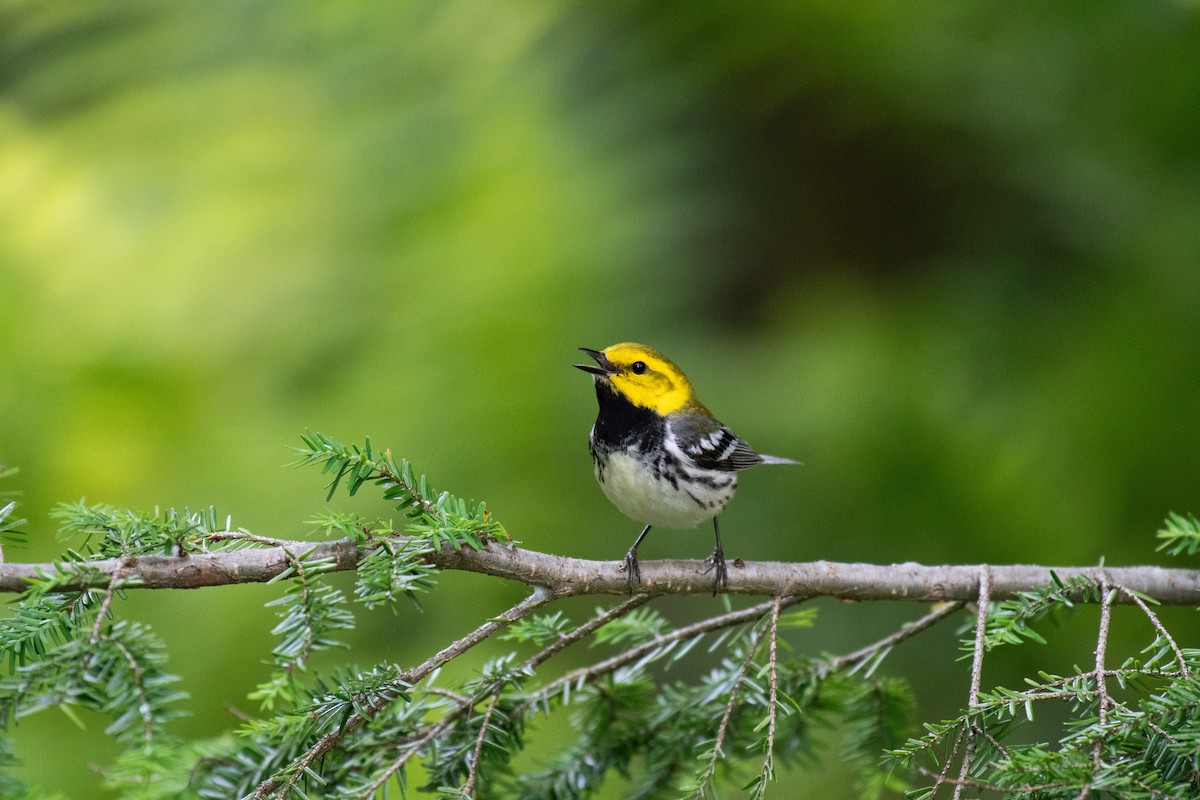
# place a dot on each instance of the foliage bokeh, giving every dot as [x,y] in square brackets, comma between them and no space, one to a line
[944,254]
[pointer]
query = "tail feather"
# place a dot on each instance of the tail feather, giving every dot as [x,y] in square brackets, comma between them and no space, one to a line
[766,459]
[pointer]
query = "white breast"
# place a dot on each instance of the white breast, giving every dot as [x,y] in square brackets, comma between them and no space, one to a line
[634,488]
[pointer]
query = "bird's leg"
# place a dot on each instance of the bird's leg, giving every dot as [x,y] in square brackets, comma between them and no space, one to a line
[717,562]
[633,575]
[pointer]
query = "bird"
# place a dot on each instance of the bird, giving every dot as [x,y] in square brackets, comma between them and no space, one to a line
[659,454]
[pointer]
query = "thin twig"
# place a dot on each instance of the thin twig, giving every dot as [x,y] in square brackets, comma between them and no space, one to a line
[1047,691]
[459,699]
[989,787]
[906,632]
[101,615]
[768,768]
[943,776]
[143,701]
[410,750]
[1158,626]
[584,630]
[994,742]
[711,768]
[981,617]
[590,673]
[1101,652]
[1103,700]
[473,769]
[309,632]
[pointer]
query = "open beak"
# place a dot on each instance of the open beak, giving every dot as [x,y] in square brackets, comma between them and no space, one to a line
[603,365]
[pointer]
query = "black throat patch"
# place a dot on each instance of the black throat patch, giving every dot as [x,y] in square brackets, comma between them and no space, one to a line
[622,425]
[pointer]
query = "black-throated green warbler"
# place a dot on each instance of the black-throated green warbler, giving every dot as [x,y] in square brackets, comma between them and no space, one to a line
[661,457]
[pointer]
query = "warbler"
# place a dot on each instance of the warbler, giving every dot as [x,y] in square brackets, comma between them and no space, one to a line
[660,456]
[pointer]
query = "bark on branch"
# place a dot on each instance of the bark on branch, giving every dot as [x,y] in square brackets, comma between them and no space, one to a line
[564,576]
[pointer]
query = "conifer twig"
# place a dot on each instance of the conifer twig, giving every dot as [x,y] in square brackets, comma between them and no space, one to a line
[1158,626]
[367,712]
[1103,700]
[477,753]
[566,577]
[410,750]
[768,767]
[138,674]
[985,600]
[723,727]
[981,617]
[492,691]
[593,671]
[892,639]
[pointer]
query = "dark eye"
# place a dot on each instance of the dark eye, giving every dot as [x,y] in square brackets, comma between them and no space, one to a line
[638,368]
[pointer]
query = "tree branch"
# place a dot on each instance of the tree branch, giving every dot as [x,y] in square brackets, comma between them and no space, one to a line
[564,576]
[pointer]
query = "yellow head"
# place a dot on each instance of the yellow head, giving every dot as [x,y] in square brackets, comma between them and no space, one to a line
[644,376]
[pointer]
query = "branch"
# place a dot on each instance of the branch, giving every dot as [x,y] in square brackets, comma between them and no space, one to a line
[768,767]
[583,675]
[564,576]
[981,618]
[875,650]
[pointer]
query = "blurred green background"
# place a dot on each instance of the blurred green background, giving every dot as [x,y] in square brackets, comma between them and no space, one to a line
[946,254]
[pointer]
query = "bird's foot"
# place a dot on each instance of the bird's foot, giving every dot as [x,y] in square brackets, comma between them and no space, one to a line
[716,562]
[633,575]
